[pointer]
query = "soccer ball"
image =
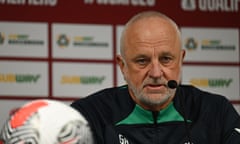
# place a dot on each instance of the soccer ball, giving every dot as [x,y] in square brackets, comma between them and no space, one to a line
[46,122]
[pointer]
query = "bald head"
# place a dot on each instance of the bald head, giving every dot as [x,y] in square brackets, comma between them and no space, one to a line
[143,19]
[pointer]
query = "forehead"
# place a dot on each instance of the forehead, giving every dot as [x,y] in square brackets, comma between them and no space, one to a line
[154,32]
[151,23]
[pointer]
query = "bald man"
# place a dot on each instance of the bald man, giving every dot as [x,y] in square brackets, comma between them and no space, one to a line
[153,108]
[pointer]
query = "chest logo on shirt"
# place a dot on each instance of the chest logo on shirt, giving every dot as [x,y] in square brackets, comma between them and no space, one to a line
[122,139]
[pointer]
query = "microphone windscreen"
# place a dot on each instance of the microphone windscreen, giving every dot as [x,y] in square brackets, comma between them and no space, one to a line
[172,84]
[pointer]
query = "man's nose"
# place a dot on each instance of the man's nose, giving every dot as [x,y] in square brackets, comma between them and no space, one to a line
[155,70]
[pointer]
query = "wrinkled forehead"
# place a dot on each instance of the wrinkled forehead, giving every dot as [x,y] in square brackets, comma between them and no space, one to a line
[152,25]
[152,32]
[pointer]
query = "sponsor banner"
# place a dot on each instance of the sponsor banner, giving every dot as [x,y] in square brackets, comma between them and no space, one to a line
[120,79]
[81,41]
[18,78]
[186,5]
[50,3]
[217,79]
[186,12]
[211,44]
[80,79]
[210,5]
[237,107]
[22,39]
[119,29]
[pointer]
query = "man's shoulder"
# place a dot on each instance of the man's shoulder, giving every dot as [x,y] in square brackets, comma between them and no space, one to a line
[203,100]
[195,92]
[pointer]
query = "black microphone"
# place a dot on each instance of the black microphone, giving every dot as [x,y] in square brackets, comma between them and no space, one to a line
[172,84]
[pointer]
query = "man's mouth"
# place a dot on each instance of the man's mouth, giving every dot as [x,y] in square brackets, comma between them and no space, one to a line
[154,87]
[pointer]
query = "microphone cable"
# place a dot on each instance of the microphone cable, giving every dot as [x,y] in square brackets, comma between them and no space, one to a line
[172,84]
[182,97]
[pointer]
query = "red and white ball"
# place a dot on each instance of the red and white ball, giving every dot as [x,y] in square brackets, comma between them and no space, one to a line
[46,122]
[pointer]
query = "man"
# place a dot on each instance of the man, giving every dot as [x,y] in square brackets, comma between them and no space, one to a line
[151,108]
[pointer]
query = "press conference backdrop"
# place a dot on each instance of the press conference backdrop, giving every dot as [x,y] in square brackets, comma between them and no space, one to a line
[66,50]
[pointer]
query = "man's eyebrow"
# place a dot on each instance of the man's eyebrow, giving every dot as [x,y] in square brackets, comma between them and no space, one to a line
[166,54]
[140,56]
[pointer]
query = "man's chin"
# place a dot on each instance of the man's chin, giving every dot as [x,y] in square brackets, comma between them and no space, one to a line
[157,99]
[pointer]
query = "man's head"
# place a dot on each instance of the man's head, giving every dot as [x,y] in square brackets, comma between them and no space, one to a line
[151,55]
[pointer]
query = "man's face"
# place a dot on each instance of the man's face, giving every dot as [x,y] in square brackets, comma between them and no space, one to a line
[152,57]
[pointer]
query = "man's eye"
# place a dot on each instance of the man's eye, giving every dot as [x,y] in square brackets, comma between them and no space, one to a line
[165,60]
[141,61]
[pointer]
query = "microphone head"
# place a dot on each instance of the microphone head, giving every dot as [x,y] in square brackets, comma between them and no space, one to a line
[172,84]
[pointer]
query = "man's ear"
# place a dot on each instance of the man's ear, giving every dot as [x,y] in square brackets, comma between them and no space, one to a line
[183,54]
[120,62]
